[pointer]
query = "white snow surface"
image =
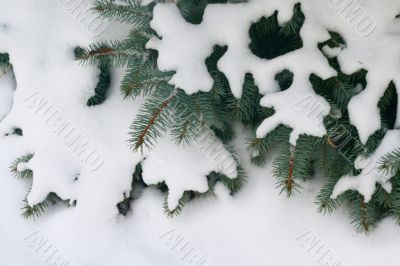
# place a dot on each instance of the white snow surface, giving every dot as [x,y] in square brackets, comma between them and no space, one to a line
[177,171]
[264,223]
[185,168]
[40,36]
[378,53]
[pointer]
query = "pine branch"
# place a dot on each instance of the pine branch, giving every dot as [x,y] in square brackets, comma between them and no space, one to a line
[390,163]
[33,211]
[137,188]
[283,169]
[37,210]
[384,198]
[226,134]
[285,79]
[195,113]
[259,148]
[342,92]
[364,216]
[187,120]
[178,210]
[24,173]
[269,40]
[388,105]
[331,162]
[304,152]
[373,142]
[220,88]
[336,40]
[344,138]
[4,62]
[217,92]
[17,131]
[394,198]
[102,87]
[153,120]
[131,12]
[103,54]
[235,184]
[161,186]
[324,201]
[246,108]
[143,79]
[210,115]
[294,25]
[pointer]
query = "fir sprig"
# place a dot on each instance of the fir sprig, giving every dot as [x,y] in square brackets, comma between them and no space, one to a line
[233,184]
[4,62]
[283,171]
[178,210]
[21,173]
[142,79]
[154,119]
[102,87]
[37,210]
[324,201]
[390,163]
[116,53]
[130,12]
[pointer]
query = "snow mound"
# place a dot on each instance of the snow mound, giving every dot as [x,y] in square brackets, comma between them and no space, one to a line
[185,168]
[370,174]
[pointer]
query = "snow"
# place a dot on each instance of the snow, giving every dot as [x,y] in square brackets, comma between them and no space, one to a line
[185,168]
[40,36]
[40,45]
[255,227]
[296,108]
[177,171]
[23,166]
[382,64]
[183,47]
[370,175]
[332,52]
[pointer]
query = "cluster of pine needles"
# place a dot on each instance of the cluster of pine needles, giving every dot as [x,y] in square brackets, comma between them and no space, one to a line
[169,110]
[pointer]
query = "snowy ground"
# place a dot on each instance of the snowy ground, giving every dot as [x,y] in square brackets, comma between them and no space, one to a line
[256,227]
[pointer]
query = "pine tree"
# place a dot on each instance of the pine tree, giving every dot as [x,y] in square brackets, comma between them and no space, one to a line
[170,109]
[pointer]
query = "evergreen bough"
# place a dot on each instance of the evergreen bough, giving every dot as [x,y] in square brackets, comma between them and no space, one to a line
[169,109]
